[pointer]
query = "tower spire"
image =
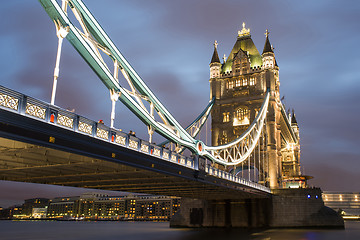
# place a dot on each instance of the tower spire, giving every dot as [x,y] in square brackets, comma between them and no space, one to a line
[293,118]
[267,46]
[215,65]
[215,56]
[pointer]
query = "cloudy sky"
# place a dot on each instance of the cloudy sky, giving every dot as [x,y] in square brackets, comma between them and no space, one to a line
[170,44]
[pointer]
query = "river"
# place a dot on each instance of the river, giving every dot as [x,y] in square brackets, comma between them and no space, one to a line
[68,230]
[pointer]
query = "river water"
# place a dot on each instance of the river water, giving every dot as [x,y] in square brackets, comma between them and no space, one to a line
[68,230]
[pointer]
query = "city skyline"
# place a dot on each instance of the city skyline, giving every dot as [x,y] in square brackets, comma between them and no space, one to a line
[170,45]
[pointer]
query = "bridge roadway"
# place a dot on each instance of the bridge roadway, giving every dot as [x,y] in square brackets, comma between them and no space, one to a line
[41,143]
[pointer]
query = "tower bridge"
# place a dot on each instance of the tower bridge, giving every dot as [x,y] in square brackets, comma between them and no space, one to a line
[255,143]
[42,143]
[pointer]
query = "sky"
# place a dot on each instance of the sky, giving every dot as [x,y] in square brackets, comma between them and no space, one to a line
[170,44]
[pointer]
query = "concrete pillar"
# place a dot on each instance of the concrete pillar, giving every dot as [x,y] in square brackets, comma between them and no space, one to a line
[227,213]
[286,208]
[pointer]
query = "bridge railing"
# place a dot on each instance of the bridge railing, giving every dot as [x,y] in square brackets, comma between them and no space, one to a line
[39,110]
[225,175]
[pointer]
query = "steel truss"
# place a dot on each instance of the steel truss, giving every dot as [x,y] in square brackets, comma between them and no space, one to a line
[91,39]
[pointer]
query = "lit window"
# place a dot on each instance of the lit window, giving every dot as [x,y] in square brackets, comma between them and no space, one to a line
[223,139]
[241,116]
[252,81]
[245,82]
[226,117]
[231,84]
[242,113]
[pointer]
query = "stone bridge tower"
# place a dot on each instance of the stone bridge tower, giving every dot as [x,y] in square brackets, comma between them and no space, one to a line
[239,85]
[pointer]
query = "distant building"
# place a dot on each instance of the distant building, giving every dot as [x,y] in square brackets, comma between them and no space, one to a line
[62,207]
[156,208]
[30,204]
[98,206]
[346,203]
[5,213]
[39,213]
[104,207]
[16,212]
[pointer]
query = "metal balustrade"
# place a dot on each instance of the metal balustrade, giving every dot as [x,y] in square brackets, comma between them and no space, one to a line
[225,175]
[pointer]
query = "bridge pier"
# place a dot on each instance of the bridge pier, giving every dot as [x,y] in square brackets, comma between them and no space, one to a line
[287,208]
[223,213]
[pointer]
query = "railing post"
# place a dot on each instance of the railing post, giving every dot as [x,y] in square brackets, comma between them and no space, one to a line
[22,105]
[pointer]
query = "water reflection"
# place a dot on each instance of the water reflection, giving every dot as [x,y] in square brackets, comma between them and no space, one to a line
[54,230]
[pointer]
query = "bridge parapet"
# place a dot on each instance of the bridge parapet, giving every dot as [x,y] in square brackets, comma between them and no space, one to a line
[225,175]
[42,111]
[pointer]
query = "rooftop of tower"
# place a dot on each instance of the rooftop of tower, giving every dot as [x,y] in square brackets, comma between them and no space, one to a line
[245,43]
[215,57]
[267,46]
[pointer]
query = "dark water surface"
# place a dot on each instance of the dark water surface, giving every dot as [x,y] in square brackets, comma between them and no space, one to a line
[39,230]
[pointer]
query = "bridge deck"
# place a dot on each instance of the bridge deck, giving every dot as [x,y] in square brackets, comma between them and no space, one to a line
[39,151]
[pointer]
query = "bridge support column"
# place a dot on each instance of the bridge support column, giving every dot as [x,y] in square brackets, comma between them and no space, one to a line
[287,208]
[253,213]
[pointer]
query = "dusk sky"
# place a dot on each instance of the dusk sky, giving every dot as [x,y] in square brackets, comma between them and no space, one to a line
[170,44]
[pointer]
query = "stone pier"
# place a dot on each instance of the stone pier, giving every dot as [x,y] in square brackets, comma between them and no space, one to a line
[290,208]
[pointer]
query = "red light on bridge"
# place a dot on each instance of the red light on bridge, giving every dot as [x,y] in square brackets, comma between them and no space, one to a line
[52,118]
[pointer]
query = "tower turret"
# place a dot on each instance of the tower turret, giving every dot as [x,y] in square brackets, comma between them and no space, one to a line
[268,55]
[215,65]
[294,124]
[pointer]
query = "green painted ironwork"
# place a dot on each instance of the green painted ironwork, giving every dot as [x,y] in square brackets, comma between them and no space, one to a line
[171,129]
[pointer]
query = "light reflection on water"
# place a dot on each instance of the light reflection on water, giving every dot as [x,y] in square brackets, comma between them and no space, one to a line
[56,230]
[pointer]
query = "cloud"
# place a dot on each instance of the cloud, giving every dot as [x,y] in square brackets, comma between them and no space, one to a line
[333,178]
[169,43]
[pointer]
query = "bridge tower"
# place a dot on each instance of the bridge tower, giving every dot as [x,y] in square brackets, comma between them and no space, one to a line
[239,85]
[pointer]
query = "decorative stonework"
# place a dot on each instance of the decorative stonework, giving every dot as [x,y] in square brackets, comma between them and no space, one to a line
[133,144]
[144,148]
[85,128]
[101,133]
[165,155]
[120,140]
[156,152]
[35,111]
[9,102]
[244,31]
[65,121]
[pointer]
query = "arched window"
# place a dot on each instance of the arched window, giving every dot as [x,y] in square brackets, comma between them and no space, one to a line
[241,113]
[242,116]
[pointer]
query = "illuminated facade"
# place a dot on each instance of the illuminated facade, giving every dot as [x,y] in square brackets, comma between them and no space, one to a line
[239,85]
[98,206]
[156,208]
[32,208]
[62,207]
[346,203]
